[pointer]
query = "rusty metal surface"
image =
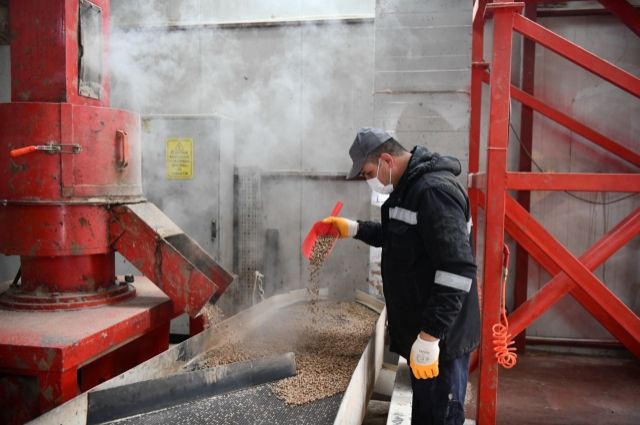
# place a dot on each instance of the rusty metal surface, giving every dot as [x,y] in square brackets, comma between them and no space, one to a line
[348,408]
[64,159]
[96,171]
[59,340]
[54,230]
[44,51]
[17,299]
[161,251]
[57,347]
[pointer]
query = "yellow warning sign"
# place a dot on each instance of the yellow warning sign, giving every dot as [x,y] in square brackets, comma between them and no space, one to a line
[179,159]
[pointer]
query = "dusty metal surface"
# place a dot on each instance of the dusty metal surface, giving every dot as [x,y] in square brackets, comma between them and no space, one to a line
[69,157]
[161,251]
[400,407]
[63,351]
[350,407]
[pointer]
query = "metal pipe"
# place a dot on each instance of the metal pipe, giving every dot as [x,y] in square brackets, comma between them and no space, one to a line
[575,342]
[249,24]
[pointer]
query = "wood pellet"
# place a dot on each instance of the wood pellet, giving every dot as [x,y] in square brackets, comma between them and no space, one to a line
[327,342]
[319,254]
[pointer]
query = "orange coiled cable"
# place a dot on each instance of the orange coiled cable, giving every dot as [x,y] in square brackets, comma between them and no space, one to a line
[502,341]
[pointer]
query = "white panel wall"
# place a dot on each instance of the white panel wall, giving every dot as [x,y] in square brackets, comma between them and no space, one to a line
[580,223]
[422,77]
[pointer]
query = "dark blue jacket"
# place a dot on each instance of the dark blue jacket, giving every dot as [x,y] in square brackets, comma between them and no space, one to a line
[428,270]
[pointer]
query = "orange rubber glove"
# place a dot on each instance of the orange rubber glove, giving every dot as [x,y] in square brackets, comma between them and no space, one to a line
[347,228]
[423,359]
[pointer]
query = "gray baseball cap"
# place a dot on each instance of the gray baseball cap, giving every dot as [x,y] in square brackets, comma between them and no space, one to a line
[365,142]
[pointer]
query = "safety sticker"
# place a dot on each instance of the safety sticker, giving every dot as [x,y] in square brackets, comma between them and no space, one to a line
[179,159]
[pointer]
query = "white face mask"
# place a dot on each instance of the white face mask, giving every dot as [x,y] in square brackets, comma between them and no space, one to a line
[376,185]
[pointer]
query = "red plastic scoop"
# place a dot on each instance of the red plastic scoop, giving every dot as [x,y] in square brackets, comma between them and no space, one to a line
[320,229]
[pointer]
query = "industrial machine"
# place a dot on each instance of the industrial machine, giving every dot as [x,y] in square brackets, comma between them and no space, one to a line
[70,197]
[167,388]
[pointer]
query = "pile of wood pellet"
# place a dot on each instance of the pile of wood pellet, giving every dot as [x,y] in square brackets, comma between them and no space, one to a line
[319,253]
[327,341]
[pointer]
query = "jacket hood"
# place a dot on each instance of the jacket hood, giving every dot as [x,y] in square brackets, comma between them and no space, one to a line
[423,161]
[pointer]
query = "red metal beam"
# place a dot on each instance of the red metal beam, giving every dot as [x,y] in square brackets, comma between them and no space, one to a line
[552,1]
[577,55]
[169,258]
[524,163]
[573,125]
[612,313]
[628,14]
[585,182]
[561,284]
[477,69]
[495,207]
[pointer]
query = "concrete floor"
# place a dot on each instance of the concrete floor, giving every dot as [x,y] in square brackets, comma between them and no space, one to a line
[555,389]
[565,389]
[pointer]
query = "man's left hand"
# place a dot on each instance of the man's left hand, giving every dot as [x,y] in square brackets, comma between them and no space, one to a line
[423,359]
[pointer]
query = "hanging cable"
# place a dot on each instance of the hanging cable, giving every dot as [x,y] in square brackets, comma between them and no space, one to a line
[502,340]
[258,289]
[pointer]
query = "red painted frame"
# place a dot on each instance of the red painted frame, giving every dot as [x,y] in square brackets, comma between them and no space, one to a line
[488,190]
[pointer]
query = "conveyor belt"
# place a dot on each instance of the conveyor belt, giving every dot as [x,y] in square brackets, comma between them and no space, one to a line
[256,405]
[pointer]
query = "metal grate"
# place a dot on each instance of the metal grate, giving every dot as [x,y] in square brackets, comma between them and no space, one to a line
[257,405]
[249,234]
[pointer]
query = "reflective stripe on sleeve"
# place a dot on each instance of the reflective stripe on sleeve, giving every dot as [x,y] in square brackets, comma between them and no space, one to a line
[401,214]
[454,281]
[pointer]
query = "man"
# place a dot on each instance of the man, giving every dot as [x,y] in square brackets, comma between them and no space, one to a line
[428,270]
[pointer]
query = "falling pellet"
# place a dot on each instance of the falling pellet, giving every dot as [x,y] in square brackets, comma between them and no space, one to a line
[319,254]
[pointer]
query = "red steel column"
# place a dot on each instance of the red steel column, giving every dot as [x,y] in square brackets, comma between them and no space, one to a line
[495,203]
[526,138]
[478,65]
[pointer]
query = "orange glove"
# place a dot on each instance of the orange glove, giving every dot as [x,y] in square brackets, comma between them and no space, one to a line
[423,359]
[347,228]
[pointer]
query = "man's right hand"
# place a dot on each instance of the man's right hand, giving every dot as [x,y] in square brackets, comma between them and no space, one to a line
[347,228]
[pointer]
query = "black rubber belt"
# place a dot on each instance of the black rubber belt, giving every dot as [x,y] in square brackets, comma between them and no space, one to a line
[147,396]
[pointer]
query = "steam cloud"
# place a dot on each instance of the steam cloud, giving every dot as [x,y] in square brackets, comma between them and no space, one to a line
[295,92]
